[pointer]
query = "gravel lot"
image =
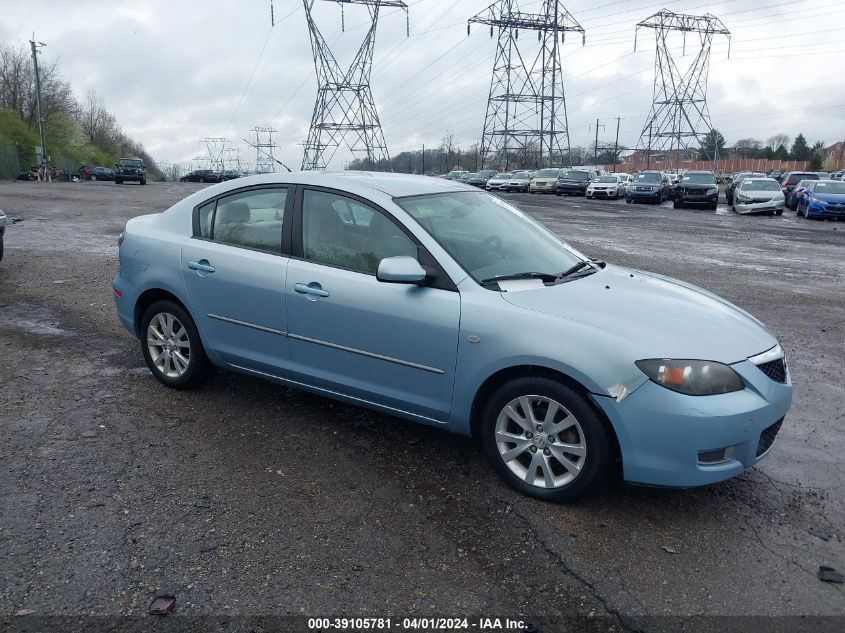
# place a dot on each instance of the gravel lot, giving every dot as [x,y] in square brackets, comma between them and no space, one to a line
[248,499]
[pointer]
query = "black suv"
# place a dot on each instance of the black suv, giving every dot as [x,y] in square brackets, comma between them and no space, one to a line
[697,187]
[574,181]
[130,170]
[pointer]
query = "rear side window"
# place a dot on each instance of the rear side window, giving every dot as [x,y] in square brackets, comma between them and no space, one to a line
[251,219]
[206,215]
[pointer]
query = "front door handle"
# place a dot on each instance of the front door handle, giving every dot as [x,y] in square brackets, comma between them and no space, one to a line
[202,265]
[311,289]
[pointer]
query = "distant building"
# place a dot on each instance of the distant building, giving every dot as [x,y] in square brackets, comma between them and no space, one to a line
[835,152]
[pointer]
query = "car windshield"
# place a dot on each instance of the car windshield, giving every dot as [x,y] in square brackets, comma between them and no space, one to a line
[547,173]
[503,176]
[521,174]
[130,163]
[795,178]
[606,179]
[576,175]
[830,187]
[760,185]
[487,173]
[649,177]
[701,179]
[487,236]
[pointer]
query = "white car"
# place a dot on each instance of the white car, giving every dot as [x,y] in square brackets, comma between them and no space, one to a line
[759,195]
[499,182]
[608,186]
[544,181]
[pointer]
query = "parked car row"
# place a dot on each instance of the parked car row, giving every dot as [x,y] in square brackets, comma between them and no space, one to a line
[211,176]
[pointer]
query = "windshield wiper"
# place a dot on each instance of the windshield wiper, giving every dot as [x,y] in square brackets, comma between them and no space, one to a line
[596,263]
[525,275]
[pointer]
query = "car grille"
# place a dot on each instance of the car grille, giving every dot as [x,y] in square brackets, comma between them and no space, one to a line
[767,437]
[759,200]
[643,188]
[775,369]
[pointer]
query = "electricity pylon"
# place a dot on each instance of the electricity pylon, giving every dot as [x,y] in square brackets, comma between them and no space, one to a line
[345,110]
[526,122]
[265,161]
[216,148]
[679,118]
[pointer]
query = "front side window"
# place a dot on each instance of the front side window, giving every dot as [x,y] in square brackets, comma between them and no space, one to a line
[252,219]
[340,231]
[488,237]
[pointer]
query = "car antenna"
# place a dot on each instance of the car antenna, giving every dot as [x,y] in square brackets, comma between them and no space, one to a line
[268,155]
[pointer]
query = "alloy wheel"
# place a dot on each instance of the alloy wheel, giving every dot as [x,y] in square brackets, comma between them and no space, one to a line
[169,345]
[541,441]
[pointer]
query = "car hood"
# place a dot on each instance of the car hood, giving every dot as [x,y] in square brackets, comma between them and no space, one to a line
[657,316]
[830,197]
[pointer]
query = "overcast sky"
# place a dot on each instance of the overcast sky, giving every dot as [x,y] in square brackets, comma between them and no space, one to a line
[174,72]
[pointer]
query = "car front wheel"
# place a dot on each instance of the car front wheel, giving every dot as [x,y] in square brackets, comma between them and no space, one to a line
[545,440]
[172,347]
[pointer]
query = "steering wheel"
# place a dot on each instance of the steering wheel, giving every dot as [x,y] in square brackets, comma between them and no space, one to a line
[494,242]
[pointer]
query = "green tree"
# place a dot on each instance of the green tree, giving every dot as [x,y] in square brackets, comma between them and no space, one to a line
[817,156]
[800,150]
[713,145]
[781,153]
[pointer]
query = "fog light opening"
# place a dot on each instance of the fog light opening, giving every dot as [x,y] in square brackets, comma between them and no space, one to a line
[716,456]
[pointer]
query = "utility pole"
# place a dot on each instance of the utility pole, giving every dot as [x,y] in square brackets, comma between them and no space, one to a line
[616,145]
[35,46]
[596,145]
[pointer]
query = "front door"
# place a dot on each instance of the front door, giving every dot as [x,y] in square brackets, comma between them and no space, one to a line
[234,271]
[392,344]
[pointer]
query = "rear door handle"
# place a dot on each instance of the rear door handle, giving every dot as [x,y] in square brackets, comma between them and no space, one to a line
[202,265]
[311,289]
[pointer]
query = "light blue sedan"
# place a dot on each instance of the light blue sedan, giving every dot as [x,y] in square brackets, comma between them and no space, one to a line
[434,301]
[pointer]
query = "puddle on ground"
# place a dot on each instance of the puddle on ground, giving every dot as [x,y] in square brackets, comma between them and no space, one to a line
[30,319]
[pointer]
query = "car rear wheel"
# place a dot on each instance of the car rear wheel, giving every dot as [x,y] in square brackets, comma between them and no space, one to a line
[545,440]
[172,347]
[92,177]
[118,181]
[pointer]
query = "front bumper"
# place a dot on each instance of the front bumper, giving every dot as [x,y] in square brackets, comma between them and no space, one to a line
[703,198]
[662,433]
[574,189]
[543,187]
[603,193]
[829,211]
[523,186]
[769,206]
[650,196]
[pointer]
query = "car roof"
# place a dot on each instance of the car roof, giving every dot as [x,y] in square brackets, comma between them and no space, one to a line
[391,184]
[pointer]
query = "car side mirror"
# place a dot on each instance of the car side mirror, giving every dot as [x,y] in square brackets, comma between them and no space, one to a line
[400,270]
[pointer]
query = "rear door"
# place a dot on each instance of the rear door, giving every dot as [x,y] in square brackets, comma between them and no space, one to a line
[234,270]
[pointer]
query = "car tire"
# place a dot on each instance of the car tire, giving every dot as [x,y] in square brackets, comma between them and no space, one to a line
[677,205]
[177,372]
[779,212]
[582,476]
[118,181]
[143,181]
[92,178]
[1,248]
[713,206]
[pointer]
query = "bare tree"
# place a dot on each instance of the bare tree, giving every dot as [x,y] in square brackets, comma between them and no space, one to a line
[776,141]
[449,145]
[747,147]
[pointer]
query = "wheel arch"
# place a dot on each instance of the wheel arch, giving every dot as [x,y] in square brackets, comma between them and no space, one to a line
[507,374]
[150,296]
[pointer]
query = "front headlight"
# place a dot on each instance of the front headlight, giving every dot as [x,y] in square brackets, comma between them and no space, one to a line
[742,198]
[713,190]
[815,202]
[692,377]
